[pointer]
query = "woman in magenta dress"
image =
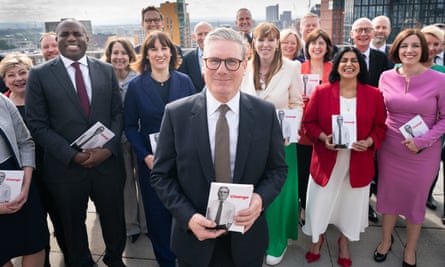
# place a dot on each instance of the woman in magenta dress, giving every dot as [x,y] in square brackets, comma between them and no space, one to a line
[409,90]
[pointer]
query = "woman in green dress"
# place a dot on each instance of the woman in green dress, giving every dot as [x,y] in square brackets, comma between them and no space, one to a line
[277,80]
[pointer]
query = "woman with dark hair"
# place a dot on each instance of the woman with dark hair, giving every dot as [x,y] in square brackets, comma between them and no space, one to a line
[409,90]
[120,53]
[158,84]
[276,79]
[338,191]
[319,54]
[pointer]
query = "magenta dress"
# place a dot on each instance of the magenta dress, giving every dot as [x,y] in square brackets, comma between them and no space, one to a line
[404,177]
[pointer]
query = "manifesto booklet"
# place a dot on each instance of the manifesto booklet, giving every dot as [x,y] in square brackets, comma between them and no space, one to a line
[225,200]
[310,81]
[344,130]
[414,127]
[289,120]
[96,136]
[153,138]
[10,185]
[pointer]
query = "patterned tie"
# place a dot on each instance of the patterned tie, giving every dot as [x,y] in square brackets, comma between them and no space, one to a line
[81,89]
[222,147]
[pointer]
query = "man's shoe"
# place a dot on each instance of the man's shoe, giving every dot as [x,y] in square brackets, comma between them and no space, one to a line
[272,260]
[431,203]
[372,215]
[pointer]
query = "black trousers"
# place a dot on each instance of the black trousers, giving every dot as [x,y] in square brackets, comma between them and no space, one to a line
[222,256]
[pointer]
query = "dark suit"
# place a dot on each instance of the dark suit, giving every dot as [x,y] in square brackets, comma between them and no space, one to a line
[144,108]
[184,170]
[190,66]
[378,63]
[56,118]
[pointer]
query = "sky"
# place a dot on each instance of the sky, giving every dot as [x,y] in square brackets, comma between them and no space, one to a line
[109,12]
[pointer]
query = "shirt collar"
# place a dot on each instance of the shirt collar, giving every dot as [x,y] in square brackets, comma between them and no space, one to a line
[213,104]
[67,62]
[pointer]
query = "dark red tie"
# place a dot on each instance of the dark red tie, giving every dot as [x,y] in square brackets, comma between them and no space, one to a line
[81,89]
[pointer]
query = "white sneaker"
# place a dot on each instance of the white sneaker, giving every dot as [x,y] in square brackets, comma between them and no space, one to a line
[272,260]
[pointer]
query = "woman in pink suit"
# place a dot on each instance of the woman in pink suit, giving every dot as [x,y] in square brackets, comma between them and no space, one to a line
[409,90]
[338,191]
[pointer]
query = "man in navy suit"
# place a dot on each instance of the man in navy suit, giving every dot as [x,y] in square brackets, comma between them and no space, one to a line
[192,61]
[244,22]
[65,97]
[184,160]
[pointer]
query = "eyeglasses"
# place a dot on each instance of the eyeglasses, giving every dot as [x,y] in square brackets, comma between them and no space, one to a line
[157,20]
[365,30]
[232,64]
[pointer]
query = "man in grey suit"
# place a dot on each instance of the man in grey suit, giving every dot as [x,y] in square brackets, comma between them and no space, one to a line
[64,98]
[188,159]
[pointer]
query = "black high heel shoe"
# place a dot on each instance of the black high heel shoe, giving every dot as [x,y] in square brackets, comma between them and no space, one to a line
[405,264]
[379,257]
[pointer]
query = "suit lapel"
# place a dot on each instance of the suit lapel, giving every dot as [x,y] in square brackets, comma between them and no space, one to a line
[199,127]
[61,75]
[244,137]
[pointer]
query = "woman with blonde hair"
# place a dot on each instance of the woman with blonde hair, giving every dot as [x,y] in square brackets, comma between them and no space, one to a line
[291,44]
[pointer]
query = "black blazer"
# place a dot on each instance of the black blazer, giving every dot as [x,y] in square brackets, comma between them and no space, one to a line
[378,63]
[183,172]
[56,118]
[190,66]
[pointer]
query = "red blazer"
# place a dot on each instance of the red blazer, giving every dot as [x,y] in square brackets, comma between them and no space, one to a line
[371,115]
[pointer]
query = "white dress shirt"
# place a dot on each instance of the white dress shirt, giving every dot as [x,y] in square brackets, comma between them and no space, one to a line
[85,73]
[232,117]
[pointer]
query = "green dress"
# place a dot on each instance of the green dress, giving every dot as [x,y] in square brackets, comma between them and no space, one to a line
[282,214]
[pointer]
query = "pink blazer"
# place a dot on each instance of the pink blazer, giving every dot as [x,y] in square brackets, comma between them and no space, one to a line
[371,115]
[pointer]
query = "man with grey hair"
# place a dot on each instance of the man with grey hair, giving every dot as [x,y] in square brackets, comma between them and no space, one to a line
[244,22]
[382,30]
[189,158]
[308,23]
[192,61]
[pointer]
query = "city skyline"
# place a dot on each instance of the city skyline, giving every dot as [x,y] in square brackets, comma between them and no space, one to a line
[109,12]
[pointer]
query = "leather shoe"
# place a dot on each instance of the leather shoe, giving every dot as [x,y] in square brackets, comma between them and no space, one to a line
[272,260]
[379,257]
[372,215]
[431,203]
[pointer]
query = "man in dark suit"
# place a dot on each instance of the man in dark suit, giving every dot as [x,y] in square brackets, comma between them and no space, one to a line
[64,98]
[382,30]
[188,159]
[191,63]
[377,62]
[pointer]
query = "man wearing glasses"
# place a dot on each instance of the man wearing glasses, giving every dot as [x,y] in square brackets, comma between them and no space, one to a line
[186,160]
[377,62]
[152,20]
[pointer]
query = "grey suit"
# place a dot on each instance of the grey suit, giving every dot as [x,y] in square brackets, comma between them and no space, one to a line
[56,118]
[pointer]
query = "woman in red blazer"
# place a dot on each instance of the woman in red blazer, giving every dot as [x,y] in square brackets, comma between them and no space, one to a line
[338,192]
